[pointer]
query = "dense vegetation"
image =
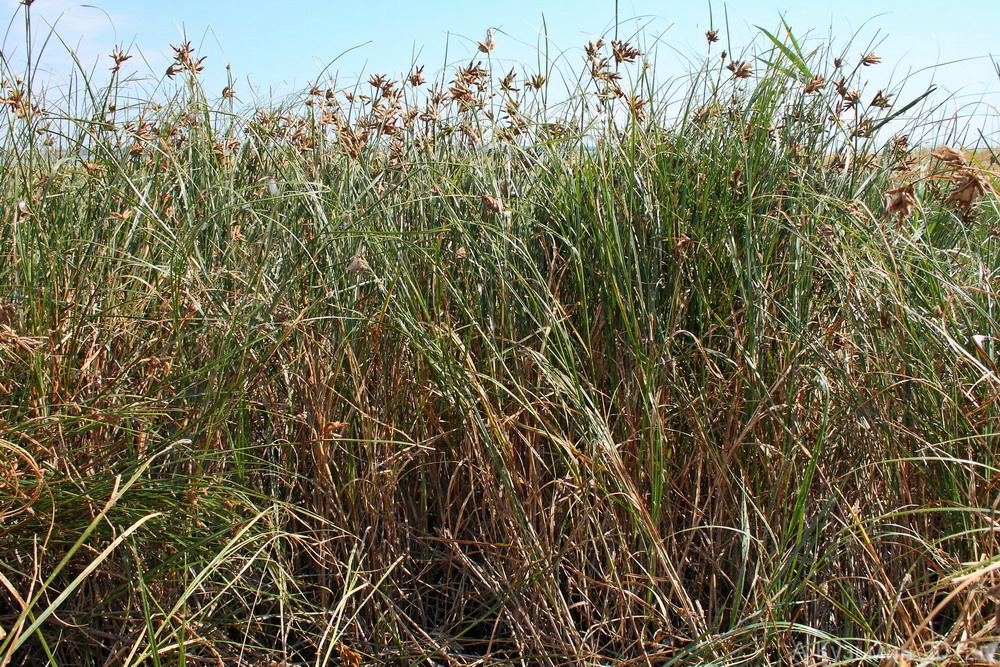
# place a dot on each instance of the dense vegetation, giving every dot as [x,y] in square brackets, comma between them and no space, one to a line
[449,373]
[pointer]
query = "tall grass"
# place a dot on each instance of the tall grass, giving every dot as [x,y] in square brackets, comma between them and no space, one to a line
[442,373]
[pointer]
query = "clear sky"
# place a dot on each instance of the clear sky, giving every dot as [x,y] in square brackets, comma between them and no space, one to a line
[282,46]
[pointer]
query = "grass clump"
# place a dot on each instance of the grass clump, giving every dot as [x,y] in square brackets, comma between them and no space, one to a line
[445,373]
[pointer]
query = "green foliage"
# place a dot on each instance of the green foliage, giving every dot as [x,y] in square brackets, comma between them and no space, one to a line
[384,379]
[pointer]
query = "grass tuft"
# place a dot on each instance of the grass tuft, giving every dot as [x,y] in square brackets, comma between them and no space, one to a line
[468,371]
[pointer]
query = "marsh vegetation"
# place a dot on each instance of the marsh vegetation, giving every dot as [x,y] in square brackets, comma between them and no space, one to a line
[454,369]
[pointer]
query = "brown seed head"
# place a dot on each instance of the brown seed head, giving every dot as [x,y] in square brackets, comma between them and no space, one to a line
[184,60]
[637,104]
[358,264]
[416,78]
[712,36]
[815,84]
[951,157]
[870,59]
[900,201]
[507,83]
[681,243]
[740,70]
[966,191]
[881,100]
[850,97]
[593,49]
[489,43]
[493,204]
[119,57]
[475,74]
[624,52]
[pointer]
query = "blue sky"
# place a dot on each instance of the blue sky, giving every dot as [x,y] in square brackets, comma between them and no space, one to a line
[281,46]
